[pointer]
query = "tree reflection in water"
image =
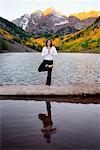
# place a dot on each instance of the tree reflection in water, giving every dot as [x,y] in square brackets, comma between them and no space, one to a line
[48,129]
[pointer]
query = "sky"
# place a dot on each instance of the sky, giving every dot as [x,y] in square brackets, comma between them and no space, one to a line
[12,9]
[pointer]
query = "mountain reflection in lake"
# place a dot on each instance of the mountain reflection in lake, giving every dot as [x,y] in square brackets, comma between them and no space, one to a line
[22,68]
[47,125]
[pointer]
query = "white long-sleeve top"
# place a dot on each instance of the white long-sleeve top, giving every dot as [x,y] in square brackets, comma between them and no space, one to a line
[48,55]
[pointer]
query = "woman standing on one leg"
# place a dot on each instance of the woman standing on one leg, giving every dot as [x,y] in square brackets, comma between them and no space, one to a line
[47,53]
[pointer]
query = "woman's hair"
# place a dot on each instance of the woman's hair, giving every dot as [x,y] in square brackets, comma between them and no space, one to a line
[47,43]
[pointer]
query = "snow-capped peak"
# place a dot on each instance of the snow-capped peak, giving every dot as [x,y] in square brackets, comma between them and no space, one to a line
[61,23]
[24,21]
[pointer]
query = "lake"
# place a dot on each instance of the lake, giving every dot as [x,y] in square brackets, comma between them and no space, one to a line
[43,125]
[22,68]
[33,125]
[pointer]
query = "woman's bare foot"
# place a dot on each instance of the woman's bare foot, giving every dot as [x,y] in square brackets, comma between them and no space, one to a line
[50,66]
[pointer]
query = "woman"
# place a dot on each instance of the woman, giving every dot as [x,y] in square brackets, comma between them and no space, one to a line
[47,54]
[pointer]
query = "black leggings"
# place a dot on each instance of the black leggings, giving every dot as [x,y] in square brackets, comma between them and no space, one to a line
[43,67]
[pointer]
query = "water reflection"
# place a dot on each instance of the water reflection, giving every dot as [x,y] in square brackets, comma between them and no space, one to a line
[78,125]
[46,119]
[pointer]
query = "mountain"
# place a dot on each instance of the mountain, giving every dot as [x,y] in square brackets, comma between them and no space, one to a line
[85,40]
[15,39]
[48,22]
[51,21]
[13,29]
[85,15]
[51,10]
[12,37]
[22,22]
[26,22]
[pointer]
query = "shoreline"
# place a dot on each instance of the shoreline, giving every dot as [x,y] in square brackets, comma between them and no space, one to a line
[35,51]
[26,49]
[74,93]
[76,99]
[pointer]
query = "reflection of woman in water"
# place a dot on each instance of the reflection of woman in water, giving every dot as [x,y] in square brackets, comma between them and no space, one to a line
[47,130]
[47,53]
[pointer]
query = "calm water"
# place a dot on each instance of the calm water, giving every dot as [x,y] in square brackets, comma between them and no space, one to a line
[32,125]
[22,68]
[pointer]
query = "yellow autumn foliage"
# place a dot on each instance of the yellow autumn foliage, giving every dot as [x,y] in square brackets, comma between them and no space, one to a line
[6,34]
[40,41]
[57,42]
